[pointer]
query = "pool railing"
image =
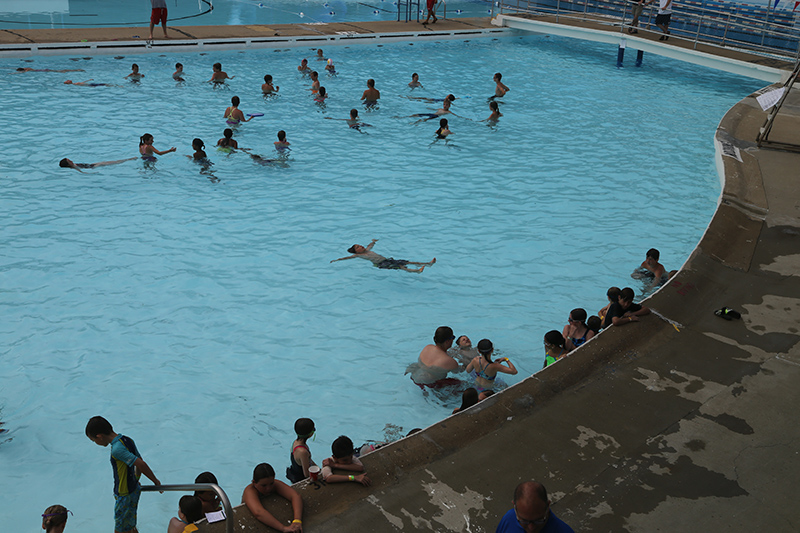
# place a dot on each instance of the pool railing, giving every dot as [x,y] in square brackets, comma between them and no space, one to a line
[723,25]
[226,503]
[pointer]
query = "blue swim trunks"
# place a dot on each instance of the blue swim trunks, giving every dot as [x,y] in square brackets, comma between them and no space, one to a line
[125,511]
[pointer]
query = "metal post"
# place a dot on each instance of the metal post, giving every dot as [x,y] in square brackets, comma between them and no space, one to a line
[725,34]
[226,503]
[639,56]
[697,35]
[766,21]
[620,54]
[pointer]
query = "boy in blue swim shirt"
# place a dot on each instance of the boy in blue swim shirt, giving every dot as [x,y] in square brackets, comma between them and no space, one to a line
[127,466]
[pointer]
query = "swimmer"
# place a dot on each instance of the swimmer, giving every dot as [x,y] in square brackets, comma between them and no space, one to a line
[146,148]
[233,115]
[450,97]
[371,95]
[321,96]
[463,351]
[178,74]
[199,153]
[496,114]
[500,90]
[330,69]
[303,67]
[354,122]
[227,143]
[87,84]
[22,70]
[267,87]
[485,370]
[281,144]
[320,55]
[365,252]
[314,82]
[68,163]
[415,82]
[444,110]
[134,76]
[443,130]
[219,76]
[202,159]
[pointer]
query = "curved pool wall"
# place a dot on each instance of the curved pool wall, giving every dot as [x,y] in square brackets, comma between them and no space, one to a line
[447,440]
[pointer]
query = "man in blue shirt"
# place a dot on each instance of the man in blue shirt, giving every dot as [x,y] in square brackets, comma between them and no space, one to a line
[531,512]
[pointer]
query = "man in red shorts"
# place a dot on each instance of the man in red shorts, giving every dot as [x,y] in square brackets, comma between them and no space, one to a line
[431,11]
[159,13]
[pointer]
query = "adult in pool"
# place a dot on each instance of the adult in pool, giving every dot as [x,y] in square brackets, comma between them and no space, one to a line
[365,252]
[233,115]
[414,83]
[434,362]
[147,149]
[68,163]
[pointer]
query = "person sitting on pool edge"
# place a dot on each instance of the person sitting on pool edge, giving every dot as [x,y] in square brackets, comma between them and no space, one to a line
[342,458]
[624,311]
[434,362]
[365,252]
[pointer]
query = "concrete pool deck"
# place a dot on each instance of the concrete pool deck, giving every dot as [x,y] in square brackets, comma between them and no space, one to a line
[686,421]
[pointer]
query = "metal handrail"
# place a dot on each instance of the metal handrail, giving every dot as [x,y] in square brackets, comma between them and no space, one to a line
[762,139]
[713,26]
[226,503]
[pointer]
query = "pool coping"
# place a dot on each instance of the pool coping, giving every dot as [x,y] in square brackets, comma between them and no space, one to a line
[690,390]
[105,41]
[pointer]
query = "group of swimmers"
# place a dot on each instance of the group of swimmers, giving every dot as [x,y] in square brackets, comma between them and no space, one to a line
[442,357]
[234,116]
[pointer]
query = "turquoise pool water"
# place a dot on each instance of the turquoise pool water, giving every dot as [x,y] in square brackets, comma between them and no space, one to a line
[202,318]
[15,14]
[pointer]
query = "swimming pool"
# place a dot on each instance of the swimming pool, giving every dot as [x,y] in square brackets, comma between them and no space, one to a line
[192,311]
[15,14]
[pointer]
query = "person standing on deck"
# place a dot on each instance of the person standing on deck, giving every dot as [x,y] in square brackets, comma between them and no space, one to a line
[663,17]
[159,13]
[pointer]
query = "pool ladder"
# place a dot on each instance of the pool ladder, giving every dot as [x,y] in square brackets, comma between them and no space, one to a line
[407,6]
[226,503]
